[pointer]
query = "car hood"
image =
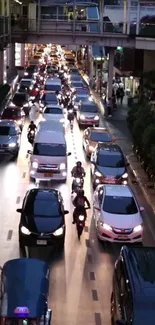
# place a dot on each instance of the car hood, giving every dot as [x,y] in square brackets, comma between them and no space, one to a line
[89,114]
[108,171]
[43,224]
[6,139]
[121,221]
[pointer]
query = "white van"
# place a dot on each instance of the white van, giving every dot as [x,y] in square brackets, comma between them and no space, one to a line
[48,159]
[52,84]
[50,125]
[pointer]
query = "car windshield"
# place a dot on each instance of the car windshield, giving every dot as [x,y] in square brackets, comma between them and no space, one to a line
[11,113]
[81,98]
[53,110]
[89,109]
[19,99]
[77,84]
[100,137]
[49,150]
[52,87]
[119,205]
[7,130]
[50,98]
[25,83]
[105,159]
[42,207]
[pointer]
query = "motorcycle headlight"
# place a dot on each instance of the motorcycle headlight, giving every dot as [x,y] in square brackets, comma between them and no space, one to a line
[138,228]
[62,166]
[96,118]
[98,174]
[19,122]
[25,231]
[58,232]
[125,175]
[77,180]
[35,164]
[81,218]
[82,117]
[12,145]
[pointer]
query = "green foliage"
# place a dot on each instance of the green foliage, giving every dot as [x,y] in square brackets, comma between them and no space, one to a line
[148,138]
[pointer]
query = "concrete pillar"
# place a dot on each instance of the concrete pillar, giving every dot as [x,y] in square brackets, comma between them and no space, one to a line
[101,16]
[125,17]
[22,55]
[128,16]
[110,72]
[39,16]
[2,67]
[11,66]
[138,18]
[32,14]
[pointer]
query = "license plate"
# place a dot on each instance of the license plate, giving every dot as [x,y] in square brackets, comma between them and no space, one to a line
[42,242]
[48,174]
[122,237]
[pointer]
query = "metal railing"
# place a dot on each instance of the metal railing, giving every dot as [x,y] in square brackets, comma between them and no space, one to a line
[4,26]
[77,27]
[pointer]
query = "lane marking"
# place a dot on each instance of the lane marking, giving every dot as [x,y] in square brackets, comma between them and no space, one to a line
[98,319]
[94,295]
[87,243]
[10,233]
[18,200]
[90,258]
[86,228]
[92,276]
[24,174]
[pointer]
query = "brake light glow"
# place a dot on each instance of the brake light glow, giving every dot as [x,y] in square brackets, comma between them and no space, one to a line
[21,311]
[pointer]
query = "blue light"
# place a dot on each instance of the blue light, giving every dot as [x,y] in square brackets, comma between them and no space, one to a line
[21,311]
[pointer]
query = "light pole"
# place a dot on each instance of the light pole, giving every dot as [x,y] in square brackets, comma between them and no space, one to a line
[101,70]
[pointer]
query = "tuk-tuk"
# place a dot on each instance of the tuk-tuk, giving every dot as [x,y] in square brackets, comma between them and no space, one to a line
[24,293]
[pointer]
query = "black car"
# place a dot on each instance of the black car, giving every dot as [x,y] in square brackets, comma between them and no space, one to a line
[42,221]
[108,165]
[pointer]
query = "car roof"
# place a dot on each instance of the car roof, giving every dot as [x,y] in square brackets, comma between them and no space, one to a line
[7,123]
[50,126]
[53,106]
[140,265]
[26,79]
[118,190]
[50,137]
[42,193]
[109,147]
[26,284]
[54,81]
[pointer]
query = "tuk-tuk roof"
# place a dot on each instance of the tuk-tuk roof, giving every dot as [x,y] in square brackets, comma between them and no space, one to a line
[26,288]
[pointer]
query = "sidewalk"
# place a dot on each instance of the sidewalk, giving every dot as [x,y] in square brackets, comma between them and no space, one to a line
[141,177]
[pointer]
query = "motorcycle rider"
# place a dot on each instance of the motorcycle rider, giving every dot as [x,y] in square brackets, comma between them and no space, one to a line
[70,115]
[77,172]
[79,203]
[32,127]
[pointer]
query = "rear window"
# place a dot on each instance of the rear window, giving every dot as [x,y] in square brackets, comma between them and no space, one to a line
[111,160]
[52,87]
[89,109]
[49,150]
[100,137]
[52,110]
[11,113]
[78,84]
[25,83]
[42,205]
[50,98]
[7,130]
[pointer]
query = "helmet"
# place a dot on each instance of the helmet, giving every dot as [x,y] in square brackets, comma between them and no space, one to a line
[81,192]
[79,164]
[31,122]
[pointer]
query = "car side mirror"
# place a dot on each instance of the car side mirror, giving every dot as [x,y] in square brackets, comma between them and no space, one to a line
[141,209]
[121,322]
[66,212]
[69,154]
[29,152]
[19,210]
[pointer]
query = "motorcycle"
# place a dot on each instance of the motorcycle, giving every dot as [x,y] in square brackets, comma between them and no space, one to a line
[31,136]
[77,184]
[70,116]
[80,221]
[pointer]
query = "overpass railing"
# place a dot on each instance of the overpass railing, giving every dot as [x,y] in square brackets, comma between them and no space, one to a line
[77,27]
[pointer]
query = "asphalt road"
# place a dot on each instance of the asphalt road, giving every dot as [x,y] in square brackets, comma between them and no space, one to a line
[80,279]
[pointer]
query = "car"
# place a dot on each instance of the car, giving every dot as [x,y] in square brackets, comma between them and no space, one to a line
[48,98]
[53,112]
[80,97]
[26,83]
[42,221]
[88,114]
[22,99]
[10,138]
[117,214]
[76,84]
[133,279]
[29,279]
[108,165]
[12,112]
[92,136]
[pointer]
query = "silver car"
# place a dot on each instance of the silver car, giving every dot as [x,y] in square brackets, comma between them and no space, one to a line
[10,137]
[88,114]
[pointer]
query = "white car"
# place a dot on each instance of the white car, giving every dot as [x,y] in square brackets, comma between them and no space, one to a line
[53,112]
[117,214]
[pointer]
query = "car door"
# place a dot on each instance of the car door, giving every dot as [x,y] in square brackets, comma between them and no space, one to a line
[97,203]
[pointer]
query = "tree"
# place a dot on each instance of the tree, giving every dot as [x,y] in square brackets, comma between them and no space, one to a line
[148,138]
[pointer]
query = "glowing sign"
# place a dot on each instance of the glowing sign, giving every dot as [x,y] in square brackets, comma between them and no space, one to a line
[21,310]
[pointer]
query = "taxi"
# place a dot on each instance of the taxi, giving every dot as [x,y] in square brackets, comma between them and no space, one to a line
[92,136]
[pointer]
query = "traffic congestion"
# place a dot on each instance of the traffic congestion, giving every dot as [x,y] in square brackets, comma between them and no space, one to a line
[72,177]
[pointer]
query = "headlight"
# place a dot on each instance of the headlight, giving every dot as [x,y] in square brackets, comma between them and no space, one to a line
[37,89]
[107,227]
[19,122]
[35,164]
[96,118]
[12,145]
[90,99]
[138,228]
[77,180]
[81,218]
[25,231]
[98,174]
[62,166]
[82,117]
[91,148]
[25,73]
[125,175]
[58,232]
[41,78]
